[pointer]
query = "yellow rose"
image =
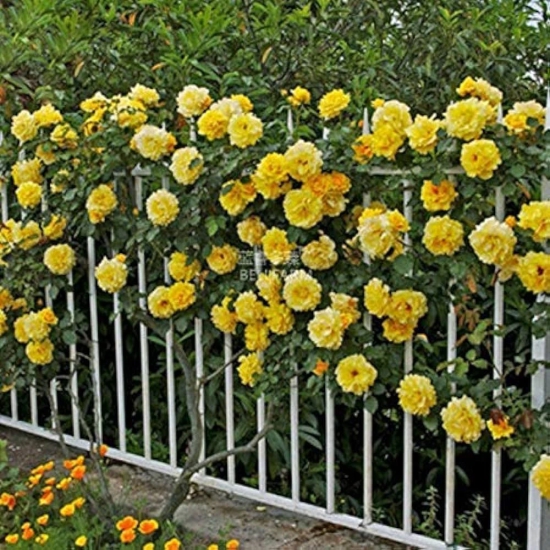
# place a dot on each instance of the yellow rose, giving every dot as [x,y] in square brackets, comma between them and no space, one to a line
[461,420]
[45,154]
[243,101]
[213,124]
[64,136]
[111,275]
[29,194]
[269,286]
[320,255]
[223,259]
[97,101]
[422,134]
[256,337]
[416,394]
[279,318]
[47,115]
[301,291]
[302,208]
[333,103]
[540,476]
[480,158]
[443,236]
[534,271]
[23,126]
[152,142]
[536,216]
[393,116]
[193,101]
[245,130]
[148,96]
[40,353]
[326,329]
[127,112]
[385,142]
[235,196]
[55,228]
[380,232]
[303,160]
[467,119]
[162,207]
[270,174]
[222,318]
[398,331]
[26,170]
[500,428]
[480,88]
[299,96]
[250,366]
[6,298]
[59,259]
[48,316]
[20,331]
[276,247]
[100,203]
[181,295]
[181,269]
[3,322]
[438,196]
[355,374]
[346,306]
[248,308]
[251,230]
[187,165]
[516,119]
[407,306]
[159,303]
[493,241]
[377,297]
[362,147]
[27,236]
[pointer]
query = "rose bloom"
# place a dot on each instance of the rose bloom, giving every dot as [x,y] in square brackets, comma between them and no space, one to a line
[534,271]
[222,318]
[480,158]
[181,295]
[159,303]
[276,247]
[385,142]
[355,374]
[152,142]
[279,318]
[333,103]
[301,291]
[244,102]
[346,306]
[397,331]
[27,236]
[422,134]
[127,112]
[302,208]
[407,305]
[64,136]
[162,208]
[466,119]
[462,420]
[392,115]
[362,147]
[416,394]
[3,323]
[245,130]
[23,126]
[213,124]
[19,330]
[516,119]
[269,286]
[59,259]
[235,196]
[193,101]
[320,255]
[256,337]
[56,226]
[377,297]
[187,165]
[40,353]
[248,308]
[97,101]
[45,154]
[479,88]
[35,327]
[47,115]
[148,96]
[111,274]
[438,196]
[223,259]
[251,231]
[100,203]
[48,316]
[443,236]
[249,367]
[326,329]
[270,172]
[540,476]
[493,241]
[500,427]
[299,96]
[536,216]
[29,194]
[304,160]
[181,269]
[26,170]
[380,233]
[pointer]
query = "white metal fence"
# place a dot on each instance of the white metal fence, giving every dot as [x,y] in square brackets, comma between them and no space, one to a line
[538,522]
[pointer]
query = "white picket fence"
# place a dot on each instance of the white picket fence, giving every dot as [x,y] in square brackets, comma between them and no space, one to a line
[538,536]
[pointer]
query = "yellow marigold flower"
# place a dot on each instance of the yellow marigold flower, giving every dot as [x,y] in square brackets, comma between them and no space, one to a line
[97,101]
[59,259]
[391,115]
[162,207]
[43,520]
[245,130]
[111,275]
[443,236]
[187,165]
[148,96]
[248,308]
[362,147]
[12,538]
[64,136]
[326,329]
[128,522]
[320,254]
[148,526]
[223,259]
[516,119]
[42,538]
[67,511]
[181,269]
[461,420]
[416,394]
[29,194]
[333,103]
[249,367]
[193,101]
[301,291]
[346,306]
[152,142]
[23,126]
[172,544]
[149,546]
[438,196]
[534,271]
[407,305]
[26,170]
[377,297]
[493,241]
[276,247]
[271,172]
[540,476]
[422,134]
[127,536]
[302,208]
[480,158]
[127,112]
[251,231]
[398,331]
[181,295]
[499,425]
[386,142]
[54,229]
[467,119]
[213,547]
[303,160]
[536,216]
[213,124]
[279,318]
[222,318]
[355,374]
[47,115]
[256,337]
[45,154]
[235,196]
[100,203]
[79,501]
[269,285]
[299,96]
[159,303]
[81,541]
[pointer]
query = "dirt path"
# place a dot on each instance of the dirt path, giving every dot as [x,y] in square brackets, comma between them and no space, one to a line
[208,513]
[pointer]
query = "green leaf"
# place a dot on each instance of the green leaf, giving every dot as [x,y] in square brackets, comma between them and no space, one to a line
[518,170]
[371,404]
[404,264]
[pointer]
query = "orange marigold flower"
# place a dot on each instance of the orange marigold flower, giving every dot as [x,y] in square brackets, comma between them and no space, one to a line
[127,536]
[12,539]
[148,526]
[46,499]
[50,481]
[102,451]
[70,464]
[172,544]
[78,502]
[127,523]
[49,466]
[43,520]
[8,500]
[34,480]
[78,472]
[233,544]
[27,534]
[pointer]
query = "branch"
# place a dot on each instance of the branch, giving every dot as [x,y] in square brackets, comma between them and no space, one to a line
[205,379]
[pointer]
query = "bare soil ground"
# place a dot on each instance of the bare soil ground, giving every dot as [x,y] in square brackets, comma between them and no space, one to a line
[207,513]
